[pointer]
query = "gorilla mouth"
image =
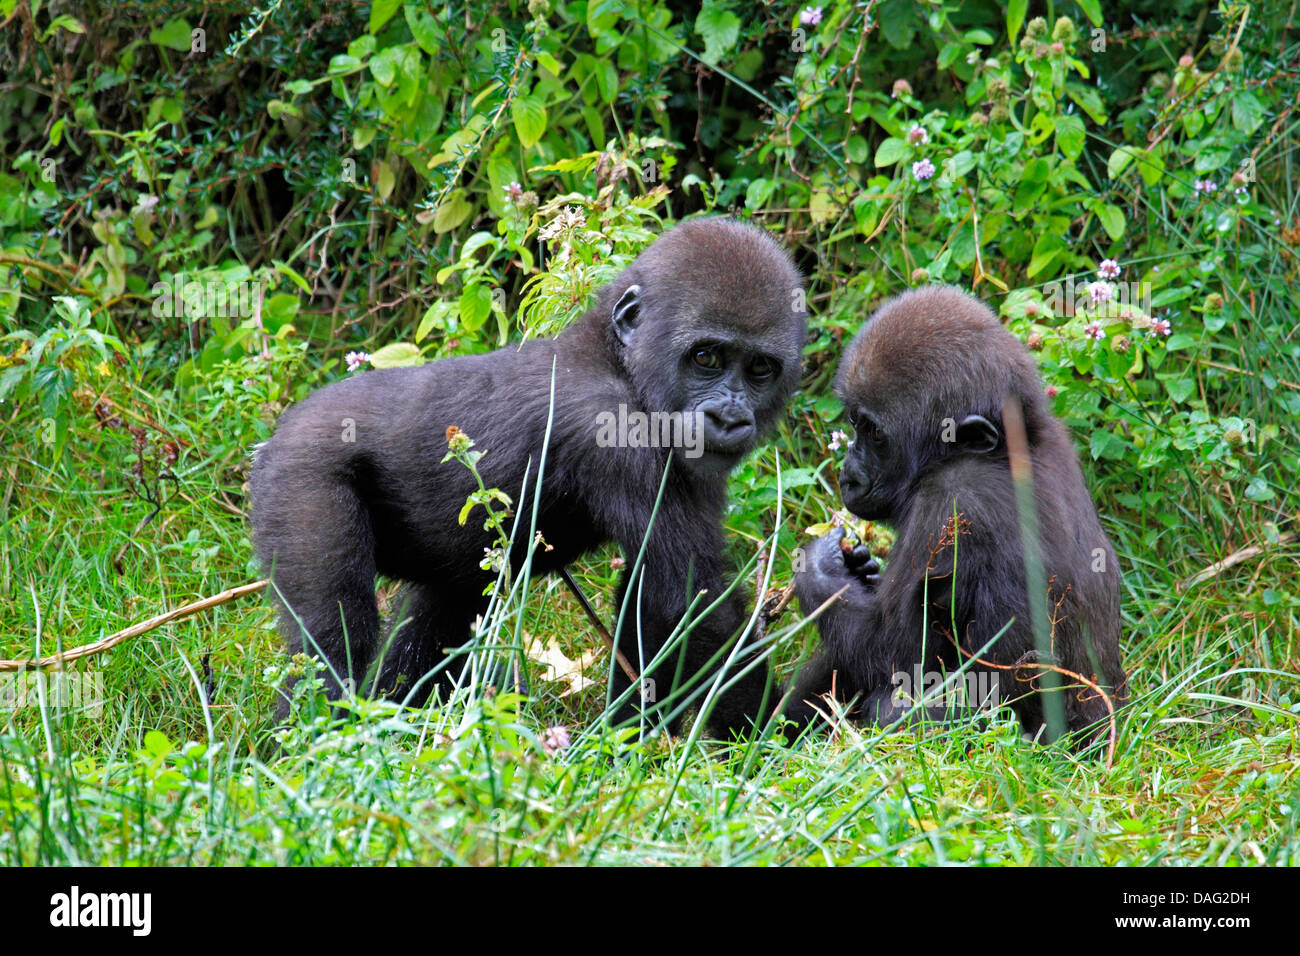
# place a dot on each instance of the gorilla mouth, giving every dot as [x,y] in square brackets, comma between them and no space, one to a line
[718,449]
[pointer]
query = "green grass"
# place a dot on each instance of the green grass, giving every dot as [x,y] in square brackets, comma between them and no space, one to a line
[1205,772]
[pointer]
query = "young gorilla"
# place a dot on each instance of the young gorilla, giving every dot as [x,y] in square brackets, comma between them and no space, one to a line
[923,384]
[708,322]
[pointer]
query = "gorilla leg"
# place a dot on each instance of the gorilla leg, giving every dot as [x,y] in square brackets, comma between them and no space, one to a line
[427,622]
[813,682]
[328,584]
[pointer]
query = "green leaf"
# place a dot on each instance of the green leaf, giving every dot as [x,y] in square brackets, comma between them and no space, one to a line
[606,80]
[381,11]
[529,115]
[1015,17]
[1105,444]
[1037,170]
[383,66]
[602,15]
[453,210]
[287,270]
[396,355]
[758,192]
[1111,218]
[1179,386]
[424,28]
[1259,490]
[549,63]
[959,164]
[1247,111]
[855,150]
[432,316]
[1092,9]
[71,24]
[1027,194]
[1069,136]
[949,54]
[1120,160]
[1088,100]
[342,64]
[1152,167]
[1047,248]
[174,34]
[1209,158]
[890,151]
[720,29]
[475,306]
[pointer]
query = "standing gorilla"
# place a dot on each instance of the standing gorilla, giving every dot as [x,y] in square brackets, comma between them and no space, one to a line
[923,384]
[700,338]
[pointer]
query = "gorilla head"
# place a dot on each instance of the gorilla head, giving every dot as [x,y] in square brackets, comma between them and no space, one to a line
[699,323]
[925,380]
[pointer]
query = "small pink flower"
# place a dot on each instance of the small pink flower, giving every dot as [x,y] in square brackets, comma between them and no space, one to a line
[1058,47]
[922,170]
[838,440]
[1051,391]
[810,16]
[1206,186]
[918,134]
[356,359]
[1100,292]
[1161,327]
[556,739]
[1185,61]
[901,88]
[514,192]
[1094,331]
[1109,269]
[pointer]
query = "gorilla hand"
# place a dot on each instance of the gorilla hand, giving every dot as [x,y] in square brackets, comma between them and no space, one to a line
[860,563]
[828,568]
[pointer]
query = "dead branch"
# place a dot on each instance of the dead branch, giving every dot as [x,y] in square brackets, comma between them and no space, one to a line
[135,630]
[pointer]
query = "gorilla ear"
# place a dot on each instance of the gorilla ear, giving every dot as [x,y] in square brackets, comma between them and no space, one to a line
[627,311]
[977,434]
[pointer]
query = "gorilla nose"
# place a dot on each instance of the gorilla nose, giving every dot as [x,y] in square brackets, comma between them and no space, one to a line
[852,480]
[729,428]
[731,424]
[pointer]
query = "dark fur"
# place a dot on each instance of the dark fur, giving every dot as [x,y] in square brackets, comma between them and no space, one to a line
[933,354]
[328,516]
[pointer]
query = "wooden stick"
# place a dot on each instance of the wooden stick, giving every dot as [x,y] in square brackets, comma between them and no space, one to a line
[135,630]
[594,618]
[1245,554]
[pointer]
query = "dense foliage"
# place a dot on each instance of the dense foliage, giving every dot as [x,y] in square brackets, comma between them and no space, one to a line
[206,211]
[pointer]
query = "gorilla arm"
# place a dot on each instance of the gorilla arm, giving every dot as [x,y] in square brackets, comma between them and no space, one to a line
[884,624]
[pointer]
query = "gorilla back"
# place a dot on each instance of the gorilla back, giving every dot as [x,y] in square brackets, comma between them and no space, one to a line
[703,331]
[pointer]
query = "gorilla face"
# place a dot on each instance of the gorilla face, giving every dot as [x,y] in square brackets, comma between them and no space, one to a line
[885,461]
[873,468]
[700,360]
[727,381]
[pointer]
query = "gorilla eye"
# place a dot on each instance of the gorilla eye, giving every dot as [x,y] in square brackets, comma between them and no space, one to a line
[762,367]
[866,428]
[708,358]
